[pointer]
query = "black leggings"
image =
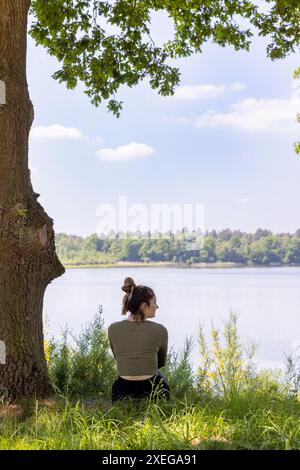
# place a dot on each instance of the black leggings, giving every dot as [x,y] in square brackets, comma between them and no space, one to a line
[140,388]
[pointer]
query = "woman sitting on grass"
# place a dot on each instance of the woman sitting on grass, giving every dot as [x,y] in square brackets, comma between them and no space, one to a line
[139,346]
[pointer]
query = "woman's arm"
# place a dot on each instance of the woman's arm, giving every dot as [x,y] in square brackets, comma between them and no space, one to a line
[112,348]
[162,353]
[110,342]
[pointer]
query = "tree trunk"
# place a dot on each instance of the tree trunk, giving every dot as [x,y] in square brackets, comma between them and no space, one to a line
[28,262]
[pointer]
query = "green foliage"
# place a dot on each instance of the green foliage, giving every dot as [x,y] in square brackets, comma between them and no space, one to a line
[281,22]
[292,373]
[261,248]
[86,369]
[266,251]
[225,370]
[179,373]
[208,253]
[292,255]
[79,34]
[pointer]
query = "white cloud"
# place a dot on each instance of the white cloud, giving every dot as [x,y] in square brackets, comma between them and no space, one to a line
[243,200]
[180,120]
[204,92]
[56,131]
[237,87]
[257,115]
[124,153]
[99,140]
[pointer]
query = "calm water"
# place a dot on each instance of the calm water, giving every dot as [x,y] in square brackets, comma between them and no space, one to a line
[267,300]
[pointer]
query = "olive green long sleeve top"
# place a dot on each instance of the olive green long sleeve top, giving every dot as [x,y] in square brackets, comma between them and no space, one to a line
[140,348]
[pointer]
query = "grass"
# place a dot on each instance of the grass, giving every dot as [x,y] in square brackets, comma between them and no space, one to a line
[215,424]
[226,405]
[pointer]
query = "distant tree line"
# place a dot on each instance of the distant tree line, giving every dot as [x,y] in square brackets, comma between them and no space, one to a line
[262,248]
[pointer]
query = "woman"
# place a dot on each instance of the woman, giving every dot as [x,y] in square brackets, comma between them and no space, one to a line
[140,347]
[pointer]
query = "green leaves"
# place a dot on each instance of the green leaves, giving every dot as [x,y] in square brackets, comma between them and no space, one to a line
[106,44]
[282,24]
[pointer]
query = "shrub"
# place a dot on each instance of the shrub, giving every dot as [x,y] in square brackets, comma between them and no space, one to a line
[178,371]
[86,369]
[225,371]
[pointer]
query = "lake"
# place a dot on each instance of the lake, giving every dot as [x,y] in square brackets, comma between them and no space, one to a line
[266,299]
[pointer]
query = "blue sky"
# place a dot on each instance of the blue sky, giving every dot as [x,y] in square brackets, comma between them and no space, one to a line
[225,140]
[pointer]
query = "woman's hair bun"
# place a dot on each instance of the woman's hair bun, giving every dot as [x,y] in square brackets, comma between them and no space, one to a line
[127,286]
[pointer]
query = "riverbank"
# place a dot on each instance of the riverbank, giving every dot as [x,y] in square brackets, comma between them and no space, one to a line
[128,264]
[162,264]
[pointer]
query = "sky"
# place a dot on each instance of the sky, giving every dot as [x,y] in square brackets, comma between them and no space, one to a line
[223,142]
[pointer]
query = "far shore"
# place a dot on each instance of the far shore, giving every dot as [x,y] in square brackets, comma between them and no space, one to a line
[162,264]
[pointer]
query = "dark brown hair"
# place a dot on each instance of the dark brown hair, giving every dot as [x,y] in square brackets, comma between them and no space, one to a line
[134,297]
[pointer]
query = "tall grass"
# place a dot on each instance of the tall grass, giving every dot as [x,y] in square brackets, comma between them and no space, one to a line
[227,404]
[213,425]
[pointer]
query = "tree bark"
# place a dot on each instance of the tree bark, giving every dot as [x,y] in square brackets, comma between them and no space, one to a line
[28,262]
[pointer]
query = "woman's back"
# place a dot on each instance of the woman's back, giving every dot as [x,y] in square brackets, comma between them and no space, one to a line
[140,348]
